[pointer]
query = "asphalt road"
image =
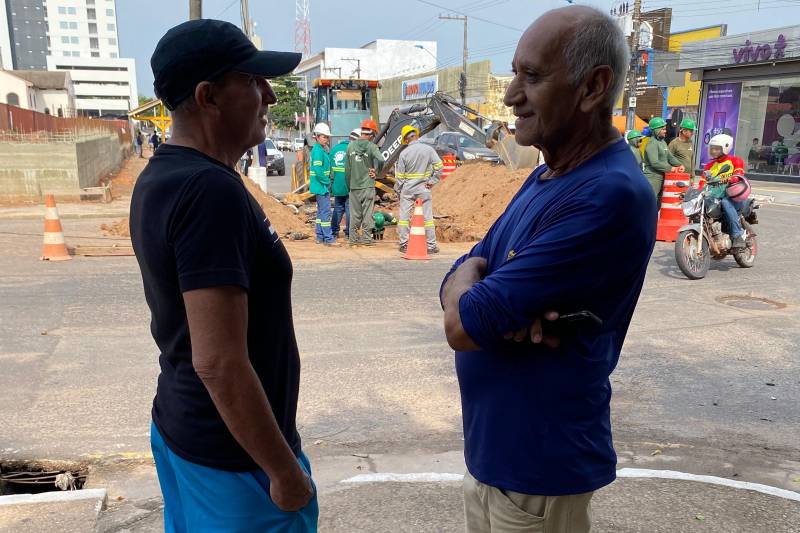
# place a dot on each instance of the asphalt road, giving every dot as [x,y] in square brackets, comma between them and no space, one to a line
[708,383]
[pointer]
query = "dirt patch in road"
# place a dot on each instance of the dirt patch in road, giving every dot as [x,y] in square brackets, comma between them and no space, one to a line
[471,199]
[283,217]
[118,228]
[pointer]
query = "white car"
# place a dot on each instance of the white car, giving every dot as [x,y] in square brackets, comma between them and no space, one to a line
[298,144]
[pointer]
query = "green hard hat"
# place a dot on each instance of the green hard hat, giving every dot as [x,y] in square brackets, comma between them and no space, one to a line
[379,220]
[688,124]
[656,123]
[633,134]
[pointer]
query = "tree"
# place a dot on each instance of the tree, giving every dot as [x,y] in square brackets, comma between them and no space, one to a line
[289,102]
[144,99]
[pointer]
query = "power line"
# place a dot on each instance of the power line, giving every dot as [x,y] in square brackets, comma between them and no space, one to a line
[471,16]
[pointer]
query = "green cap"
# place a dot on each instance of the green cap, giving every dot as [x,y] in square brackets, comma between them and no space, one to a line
[633,134]
[688,124]
[656,123]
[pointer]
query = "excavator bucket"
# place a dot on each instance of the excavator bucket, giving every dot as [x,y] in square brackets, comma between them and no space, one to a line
[500,139]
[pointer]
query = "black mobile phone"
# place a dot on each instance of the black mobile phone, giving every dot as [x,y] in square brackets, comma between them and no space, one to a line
[572,323]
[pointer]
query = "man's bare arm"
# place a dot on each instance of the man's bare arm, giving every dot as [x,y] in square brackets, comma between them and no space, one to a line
[466,275]
[217,319]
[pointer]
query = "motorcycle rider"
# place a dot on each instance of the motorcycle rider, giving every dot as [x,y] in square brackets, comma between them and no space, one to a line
[635,141]
[719,173]
[657,158]
[418,169]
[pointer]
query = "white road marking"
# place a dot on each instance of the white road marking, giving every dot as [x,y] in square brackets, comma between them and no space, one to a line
[49,497]
[434,477]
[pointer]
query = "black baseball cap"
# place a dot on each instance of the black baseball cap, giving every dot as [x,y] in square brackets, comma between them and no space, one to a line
[204,49]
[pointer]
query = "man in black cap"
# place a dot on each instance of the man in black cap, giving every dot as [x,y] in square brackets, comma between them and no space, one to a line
[217,280]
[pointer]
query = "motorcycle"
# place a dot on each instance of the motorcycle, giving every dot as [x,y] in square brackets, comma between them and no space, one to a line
[703,238]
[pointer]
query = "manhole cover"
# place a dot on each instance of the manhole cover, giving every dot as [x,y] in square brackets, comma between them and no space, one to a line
[750,302]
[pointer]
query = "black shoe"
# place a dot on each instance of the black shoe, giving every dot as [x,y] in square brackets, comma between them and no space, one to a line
[434,250]
[738,243]
[403,248]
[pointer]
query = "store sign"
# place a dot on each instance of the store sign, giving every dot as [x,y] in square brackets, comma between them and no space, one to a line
[721,113]
[751,53]
[419,88]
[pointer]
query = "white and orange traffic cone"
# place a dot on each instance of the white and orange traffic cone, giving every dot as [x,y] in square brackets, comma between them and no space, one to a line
[54,247]
[417,243]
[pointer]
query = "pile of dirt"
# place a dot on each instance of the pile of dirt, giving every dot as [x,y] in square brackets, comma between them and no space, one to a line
[471,198]
[120,228]
[283,218]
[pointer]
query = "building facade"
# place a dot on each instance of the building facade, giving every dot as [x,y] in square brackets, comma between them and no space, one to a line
[53,92]
[750,90]
[78,36]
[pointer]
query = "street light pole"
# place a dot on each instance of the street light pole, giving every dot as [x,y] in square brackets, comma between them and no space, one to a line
[462,83]
[195,9]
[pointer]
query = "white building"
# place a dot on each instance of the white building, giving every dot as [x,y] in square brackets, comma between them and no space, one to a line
[52,92]
[377,60]
[81,38]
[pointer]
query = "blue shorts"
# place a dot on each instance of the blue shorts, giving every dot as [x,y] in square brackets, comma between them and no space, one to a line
[202,499]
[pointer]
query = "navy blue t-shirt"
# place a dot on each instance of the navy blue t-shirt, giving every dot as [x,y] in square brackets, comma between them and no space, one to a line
[193,226]
[536,419]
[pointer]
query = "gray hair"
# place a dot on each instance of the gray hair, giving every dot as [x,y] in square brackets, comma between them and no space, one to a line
[599,41]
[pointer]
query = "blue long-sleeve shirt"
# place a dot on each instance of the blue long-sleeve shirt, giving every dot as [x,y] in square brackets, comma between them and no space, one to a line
[536,419]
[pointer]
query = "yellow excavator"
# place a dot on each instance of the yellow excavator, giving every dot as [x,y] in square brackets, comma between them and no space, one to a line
[438,109]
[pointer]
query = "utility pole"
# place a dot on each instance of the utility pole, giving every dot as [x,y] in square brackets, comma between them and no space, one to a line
[634,66]
[247,26]
[195,9]
[358,66]
[462,82]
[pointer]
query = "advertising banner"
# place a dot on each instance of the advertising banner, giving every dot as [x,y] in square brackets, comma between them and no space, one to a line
[721,114]
[419,88]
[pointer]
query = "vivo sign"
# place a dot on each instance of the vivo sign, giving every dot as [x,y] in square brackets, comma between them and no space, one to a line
[419,88]
[752,53]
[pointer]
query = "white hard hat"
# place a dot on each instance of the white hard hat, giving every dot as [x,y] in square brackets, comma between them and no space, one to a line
[322,129]
[723,141]
[355,134]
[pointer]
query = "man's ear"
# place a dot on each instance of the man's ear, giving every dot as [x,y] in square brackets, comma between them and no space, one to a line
[204,95]
[596,87]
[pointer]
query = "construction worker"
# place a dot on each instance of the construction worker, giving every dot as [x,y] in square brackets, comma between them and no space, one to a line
[681,146]
[362,162]
[657,159]
[634,141]
[418,169]
[319,174]
[339,189]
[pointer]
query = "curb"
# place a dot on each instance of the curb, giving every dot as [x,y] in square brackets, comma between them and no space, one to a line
[39,216]
[54,497]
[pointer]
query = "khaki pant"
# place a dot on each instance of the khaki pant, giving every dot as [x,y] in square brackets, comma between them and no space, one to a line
[491,510]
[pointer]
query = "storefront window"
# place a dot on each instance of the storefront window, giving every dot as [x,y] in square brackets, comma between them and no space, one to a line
[768,133]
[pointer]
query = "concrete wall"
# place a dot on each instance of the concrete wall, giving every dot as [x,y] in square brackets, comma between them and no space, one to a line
[28,171]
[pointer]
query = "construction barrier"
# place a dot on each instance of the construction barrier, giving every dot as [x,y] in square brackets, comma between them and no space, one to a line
[417,243]
[259,176]
[54,248]
[670,216]
[448,165]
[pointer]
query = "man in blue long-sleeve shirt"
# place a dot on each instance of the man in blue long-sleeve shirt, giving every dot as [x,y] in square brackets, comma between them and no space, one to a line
[577,236]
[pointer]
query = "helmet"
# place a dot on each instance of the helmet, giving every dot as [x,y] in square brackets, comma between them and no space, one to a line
[379,219]
[408,128]
[723,141]
[322,129]
[646,131]
[369,124]
[738,189]
[355,134]
[633,134]
[656,123]
[688,124]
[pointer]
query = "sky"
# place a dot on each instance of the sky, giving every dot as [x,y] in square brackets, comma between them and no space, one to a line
[353,23]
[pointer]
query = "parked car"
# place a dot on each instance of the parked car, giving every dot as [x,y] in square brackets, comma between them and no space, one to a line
[275,162]
[298,144]
[283,143]
[465,148]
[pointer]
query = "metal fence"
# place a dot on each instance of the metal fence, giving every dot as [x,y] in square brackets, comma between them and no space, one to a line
[24,125]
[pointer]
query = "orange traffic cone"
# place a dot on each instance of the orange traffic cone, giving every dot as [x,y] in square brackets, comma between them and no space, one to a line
[54,248]
[417,243]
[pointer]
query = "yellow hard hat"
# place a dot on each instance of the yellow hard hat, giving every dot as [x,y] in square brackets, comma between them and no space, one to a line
[408,129]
